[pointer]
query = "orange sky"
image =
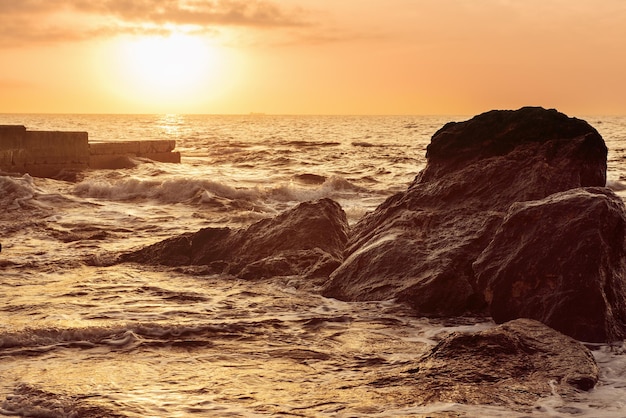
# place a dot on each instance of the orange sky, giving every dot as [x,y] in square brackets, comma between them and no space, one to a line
[312,56]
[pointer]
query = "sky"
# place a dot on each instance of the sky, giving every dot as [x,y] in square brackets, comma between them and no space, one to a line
[411,57]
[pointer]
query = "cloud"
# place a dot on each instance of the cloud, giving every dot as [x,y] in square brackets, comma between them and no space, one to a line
[34,21]
[10,7]
[220,12]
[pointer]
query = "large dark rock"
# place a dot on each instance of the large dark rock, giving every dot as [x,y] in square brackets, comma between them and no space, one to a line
[307,241]
[512,365]
[562,261]
[419,245]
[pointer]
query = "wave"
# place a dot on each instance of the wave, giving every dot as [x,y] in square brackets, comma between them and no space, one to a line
[333,187]
[364,144]
[34,342]
[17,193]
[314,144]
[30,401]
[167,191]
[215,193]
[308,178]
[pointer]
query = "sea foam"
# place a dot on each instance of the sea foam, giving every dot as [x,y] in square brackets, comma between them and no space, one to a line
[202,191]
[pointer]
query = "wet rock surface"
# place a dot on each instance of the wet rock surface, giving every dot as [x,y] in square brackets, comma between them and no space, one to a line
[562,261]
[305,241]
[418,246]
[509,217]
[512,365]
[559,257]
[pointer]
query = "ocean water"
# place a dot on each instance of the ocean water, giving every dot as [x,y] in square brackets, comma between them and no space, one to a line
[134,341]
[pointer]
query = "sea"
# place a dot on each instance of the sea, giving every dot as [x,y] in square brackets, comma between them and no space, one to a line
[80,338]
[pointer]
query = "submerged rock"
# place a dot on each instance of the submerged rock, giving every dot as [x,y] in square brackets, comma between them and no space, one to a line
[419,245]
[307,241]
[512,365]
[562,261]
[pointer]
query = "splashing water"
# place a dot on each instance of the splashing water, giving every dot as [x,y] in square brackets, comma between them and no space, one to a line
[136,341]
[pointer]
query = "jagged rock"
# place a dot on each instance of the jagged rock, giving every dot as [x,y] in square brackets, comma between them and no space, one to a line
[561,260]
[511,365]
[307,240]
[419,245]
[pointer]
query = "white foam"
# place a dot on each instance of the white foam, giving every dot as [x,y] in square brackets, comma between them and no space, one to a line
[16,192]
[173,190]
[198,191]
[24,193]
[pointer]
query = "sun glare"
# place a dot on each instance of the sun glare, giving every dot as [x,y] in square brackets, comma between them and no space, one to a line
[176,68]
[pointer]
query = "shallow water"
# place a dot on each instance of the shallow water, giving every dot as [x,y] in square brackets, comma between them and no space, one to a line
[82,340]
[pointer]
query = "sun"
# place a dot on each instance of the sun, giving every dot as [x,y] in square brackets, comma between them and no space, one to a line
[177,68]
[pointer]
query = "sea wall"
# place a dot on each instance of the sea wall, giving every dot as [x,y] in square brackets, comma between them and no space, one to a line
[42,153]
[49,153]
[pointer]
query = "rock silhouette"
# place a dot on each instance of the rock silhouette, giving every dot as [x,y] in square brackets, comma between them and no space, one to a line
[509,217]
[307,241]
[511,365]
[560,260]
[419,245]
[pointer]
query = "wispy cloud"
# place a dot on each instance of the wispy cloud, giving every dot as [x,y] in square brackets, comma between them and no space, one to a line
[194,12]
[33,21]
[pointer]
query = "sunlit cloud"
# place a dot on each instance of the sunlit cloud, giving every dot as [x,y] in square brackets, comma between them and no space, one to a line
[37,21]
[221,12]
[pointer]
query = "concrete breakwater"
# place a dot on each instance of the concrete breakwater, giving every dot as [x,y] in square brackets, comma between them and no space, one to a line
[56,153]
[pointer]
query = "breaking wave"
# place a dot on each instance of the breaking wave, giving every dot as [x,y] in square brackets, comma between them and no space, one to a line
[19,193]
[199,191]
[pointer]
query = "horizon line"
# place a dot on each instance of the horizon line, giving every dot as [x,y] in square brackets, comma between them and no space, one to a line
[262,114]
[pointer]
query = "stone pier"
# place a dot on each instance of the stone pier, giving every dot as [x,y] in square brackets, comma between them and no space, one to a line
[53,153]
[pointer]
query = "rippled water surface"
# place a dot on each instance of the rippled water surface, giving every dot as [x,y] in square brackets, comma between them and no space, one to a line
[136,341]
